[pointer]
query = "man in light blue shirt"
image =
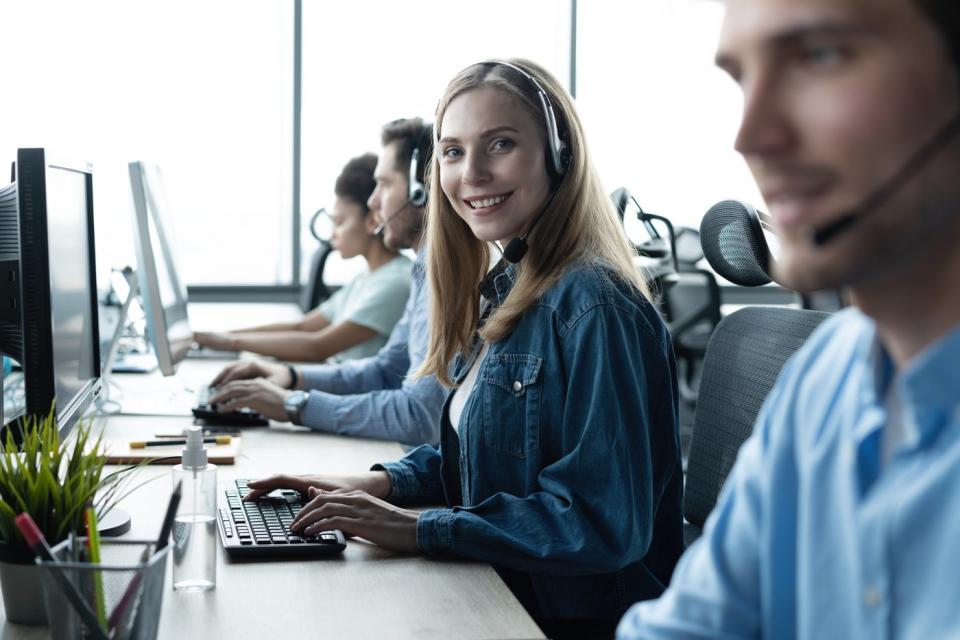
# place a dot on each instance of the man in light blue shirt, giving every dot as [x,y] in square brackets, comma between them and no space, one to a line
[373,397]
[839,519]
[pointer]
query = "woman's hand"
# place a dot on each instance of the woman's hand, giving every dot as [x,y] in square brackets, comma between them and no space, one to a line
[357,513]
[218,341]
[375,483]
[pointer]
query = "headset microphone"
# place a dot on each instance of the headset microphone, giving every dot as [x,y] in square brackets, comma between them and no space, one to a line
[517,248]
[383,225]
[887,189]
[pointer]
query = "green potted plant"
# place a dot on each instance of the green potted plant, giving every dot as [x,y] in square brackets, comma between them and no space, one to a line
[53,481]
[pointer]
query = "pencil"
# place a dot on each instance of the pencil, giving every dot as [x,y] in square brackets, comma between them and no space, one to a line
[140,444]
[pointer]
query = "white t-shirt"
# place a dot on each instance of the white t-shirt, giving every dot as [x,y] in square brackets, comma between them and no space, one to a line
[462,394]
[373,299]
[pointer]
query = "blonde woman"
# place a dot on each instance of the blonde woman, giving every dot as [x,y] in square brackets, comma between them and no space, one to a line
[559,459]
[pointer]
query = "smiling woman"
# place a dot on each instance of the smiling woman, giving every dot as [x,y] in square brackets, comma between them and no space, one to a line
[559,458]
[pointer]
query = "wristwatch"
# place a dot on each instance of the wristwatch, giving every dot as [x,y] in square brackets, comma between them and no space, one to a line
[294,404]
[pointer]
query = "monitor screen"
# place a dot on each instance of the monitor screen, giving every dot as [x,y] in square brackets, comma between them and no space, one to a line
[73,315]
[50,328]
[164,295]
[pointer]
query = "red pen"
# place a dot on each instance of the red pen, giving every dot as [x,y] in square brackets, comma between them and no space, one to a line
[35,540]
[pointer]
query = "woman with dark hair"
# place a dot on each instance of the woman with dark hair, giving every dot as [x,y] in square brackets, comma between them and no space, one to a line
[357,319]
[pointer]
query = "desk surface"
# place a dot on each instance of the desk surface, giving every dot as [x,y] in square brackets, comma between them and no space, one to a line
[366,593]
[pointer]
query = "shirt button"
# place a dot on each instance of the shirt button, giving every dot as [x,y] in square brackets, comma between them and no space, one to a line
[872,597]
[517,386]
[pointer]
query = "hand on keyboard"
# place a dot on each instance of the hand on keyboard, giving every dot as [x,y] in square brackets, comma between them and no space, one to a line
[279,374]
[258,394]
[375,483]
[357,513]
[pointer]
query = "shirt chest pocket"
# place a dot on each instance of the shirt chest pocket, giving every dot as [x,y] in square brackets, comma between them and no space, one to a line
[512,390]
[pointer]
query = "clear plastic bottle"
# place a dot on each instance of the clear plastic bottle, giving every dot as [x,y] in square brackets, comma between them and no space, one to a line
[194,528]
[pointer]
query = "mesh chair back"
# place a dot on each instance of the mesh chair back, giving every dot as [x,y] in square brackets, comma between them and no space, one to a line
[744,357]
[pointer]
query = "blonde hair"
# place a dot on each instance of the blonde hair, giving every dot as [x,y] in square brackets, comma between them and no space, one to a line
[579,222]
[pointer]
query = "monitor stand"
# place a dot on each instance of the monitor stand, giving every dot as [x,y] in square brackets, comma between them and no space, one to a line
[115,523]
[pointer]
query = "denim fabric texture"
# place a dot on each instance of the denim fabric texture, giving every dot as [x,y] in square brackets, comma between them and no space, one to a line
[375,397]
[813,536]
[566,475]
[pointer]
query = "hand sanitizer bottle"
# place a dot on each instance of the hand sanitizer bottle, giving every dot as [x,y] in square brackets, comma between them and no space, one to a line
[194,528]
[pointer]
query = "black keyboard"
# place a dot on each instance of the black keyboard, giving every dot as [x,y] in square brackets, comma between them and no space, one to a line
[243,417]
[262,528]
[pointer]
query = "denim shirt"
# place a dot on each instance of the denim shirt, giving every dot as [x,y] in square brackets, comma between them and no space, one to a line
[375,397]
[566,474]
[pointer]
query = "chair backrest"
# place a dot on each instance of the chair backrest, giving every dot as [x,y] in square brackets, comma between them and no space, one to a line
[744,357]
[314,290]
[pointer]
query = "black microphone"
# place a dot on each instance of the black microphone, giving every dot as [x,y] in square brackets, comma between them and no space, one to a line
[378,231]
[517,248]
[887,189]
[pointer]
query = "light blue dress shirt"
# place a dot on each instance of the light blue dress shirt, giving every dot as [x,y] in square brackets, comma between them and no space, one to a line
[376,397]
[813,537]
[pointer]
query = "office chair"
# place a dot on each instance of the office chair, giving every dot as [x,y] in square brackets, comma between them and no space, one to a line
[743,359]
[315,290]
[689,297]
[691,307]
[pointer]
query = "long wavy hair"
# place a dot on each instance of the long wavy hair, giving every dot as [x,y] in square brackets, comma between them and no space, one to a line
[580,222]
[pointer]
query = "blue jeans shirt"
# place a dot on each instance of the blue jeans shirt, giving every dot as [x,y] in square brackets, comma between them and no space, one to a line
[566,475]
[813,536]
[374,397]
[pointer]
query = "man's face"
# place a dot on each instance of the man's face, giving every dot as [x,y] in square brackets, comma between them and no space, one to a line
[389,203]
[838,95]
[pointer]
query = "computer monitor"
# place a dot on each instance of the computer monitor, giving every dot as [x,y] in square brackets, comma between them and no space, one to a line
[48,284]
[164,295]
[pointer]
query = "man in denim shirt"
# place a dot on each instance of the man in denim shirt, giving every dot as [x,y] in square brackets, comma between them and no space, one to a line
[373,397]
[839,519]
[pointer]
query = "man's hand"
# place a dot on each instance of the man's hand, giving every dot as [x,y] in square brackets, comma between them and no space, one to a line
[259,394]
[278,374]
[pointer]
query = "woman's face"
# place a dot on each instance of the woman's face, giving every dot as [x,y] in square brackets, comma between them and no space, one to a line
[352,231]
[492,163]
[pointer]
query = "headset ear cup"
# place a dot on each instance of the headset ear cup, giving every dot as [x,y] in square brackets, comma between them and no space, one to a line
[565,157]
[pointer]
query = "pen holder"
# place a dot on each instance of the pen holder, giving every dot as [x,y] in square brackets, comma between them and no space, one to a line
[125,589]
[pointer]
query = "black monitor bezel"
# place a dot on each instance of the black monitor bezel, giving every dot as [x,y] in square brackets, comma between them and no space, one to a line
[35,294]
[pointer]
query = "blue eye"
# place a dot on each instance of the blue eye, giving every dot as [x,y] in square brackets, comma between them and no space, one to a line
[501,144]
[823,55]
[452,153]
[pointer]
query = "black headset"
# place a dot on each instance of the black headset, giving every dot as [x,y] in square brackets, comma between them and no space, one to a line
[558,153]
[416,190]
[558,156]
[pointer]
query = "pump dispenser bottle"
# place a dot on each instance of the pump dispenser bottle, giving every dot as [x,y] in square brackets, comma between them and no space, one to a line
[194,529]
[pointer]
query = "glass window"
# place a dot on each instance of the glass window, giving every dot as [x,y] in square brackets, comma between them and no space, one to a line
[368,62]
[660,117]
[202,89]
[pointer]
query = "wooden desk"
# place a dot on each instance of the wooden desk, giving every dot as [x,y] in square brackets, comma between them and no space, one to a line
[366,593]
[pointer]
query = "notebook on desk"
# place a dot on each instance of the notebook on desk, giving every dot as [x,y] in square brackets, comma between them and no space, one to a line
[119,451]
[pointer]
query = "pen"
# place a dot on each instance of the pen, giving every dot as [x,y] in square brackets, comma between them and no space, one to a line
[93,543]
[140,444]
[35,540]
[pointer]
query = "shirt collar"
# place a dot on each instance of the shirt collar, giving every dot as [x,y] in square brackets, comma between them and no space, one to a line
[498,282]
[927,385]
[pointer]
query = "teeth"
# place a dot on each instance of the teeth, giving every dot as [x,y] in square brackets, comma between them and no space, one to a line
[489,202]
